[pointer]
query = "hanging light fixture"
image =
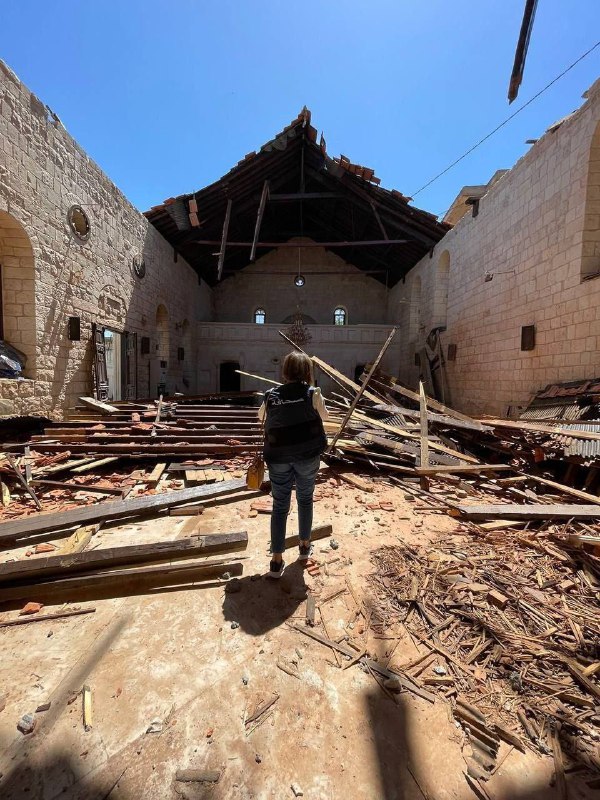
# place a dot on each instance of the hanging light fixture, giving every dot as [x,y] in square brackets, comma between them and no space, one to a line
[299,279]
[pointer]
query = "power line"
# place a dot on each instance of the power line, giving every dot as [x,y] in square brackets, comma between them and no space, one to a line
[506,121]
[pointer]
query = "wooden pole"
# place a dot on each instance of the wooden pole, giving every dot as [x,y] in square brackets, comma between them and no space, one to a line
[261,211]
[424,435]
[224,241]
[361,391]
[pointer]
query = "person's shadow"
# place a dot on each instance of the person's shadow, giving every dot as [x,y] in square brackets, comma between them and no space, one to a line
[262,603]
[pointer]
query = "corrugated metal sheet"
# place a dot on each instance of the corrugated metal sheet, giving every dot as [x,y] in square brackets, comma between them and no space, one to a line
[570,411]
[586,449]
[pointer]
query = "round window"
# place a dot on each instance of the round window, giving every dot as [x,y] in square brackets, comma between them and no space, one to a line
[79,223]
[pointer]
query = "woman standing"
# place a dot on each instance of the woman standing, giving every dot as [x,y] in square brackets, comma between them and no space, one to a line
[294,442]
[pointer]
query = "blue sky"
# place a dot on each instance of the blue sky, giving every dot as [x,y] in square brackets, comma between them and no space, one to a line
[167,95]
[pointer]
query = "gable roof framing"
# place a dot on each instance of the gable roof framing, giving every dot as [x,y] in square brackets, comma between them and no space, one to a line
[310,194]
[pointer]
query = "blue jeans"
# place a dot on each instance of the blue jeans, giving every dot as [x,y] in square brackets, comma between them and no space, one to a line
[283,476]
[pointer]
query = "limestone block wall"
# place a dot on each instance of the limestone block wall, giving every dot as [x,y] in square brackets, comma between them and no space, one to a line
[537,235]
[49,275]
[259,350]
[269,284]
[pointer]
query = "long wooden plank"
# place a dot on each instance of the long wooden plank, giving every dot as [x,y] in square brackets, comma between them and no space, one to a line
[320,532]
[533,512]
[396,388]
[77,487]
[536,427]
[107,558]
[44,522]
[362,389]
[124,580]
[439,448]
[340,378]
[589,498]
[142,450]
[468,468]
[424,432]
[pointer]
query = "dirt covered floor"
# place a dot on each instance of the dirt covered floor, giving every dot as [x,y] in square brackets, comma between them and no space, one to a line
[175,674]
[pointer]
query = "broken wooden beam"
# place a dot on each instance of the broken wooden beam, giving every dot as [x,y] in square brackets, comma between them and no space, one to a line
[121,582]
[534,512]
[111,557]
[76,612]
[320,532]
[45,522]
[462,468]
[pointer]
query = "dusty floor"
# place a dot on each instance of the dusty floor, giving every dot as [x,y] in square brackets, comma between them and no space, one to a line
[173,656]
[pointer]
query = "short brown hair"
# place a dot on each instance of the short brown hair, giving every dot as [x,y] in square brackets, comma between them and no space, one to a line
[297,367]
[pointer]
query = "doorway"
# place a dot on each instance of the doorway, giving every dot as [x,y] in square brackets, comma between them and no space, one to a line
[229,379]
[115,364]
[113,344]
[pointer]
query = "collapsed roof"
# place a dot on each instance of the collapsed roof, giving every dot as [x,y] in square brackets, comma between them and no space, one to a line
[291,188]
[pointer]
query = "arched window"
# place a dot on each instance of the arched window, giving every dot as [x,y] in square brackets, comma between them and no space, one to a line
[441,290]
[340,317]
[260,316]
[590,254]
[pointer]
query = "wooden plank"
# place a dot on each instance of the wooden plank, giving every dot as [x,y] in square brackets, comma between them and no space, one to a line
[258,377]
[101,512]
[321,532]
[396,388]
[355,480]
[44,617]
[123,580]
[589,498]
[424,433]
[110,557]
[534,512]
[439,448]
[22,481]
[156,474]
[466,468]
[535,427]
[362,389]
[340,378]
[78,541]
[221,259]
[92,465]
[259,217]
[97,405]
[77,487]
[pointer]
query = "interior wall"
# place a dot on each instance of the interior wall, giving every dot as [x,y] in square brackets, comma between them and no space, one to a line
[269,284]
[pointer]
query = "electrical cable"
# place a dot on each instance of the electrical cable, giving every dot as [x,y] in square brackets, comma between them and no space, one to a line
[506,121]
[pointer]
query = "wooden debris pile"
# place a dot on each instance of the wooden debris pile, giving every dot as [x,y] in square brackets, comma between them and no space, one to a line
[174,430]
[511,629]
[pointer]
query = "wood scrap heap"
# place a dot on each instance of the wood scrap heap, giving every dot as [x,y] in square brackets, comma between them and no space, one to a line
[509,630]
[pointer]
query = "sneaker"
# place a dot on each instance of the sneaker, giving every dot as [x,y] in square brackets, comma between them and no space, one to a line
[305,551]
[276,569]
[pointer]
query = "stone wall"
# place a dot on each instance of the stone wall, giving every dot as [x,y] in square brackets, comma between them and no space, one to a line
[49,274]
[536,236]
[330,282]
[258,349]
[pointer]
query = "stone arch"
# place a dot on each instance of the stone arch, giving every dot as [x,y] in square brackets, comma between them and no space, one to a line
[17,266]
[590,254]
[441,290]
[414,323]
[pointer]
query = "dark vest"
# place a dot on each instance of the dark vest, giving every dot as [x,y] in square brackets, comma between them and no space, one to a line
[293,429]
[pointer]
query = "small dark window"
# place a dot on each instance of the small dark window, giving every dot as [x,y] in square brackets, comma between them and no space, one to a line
[180,354]
[145,345]
[451,352]
[417,360]
[528,337]
[340,316]
[260,316]
[79,223]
